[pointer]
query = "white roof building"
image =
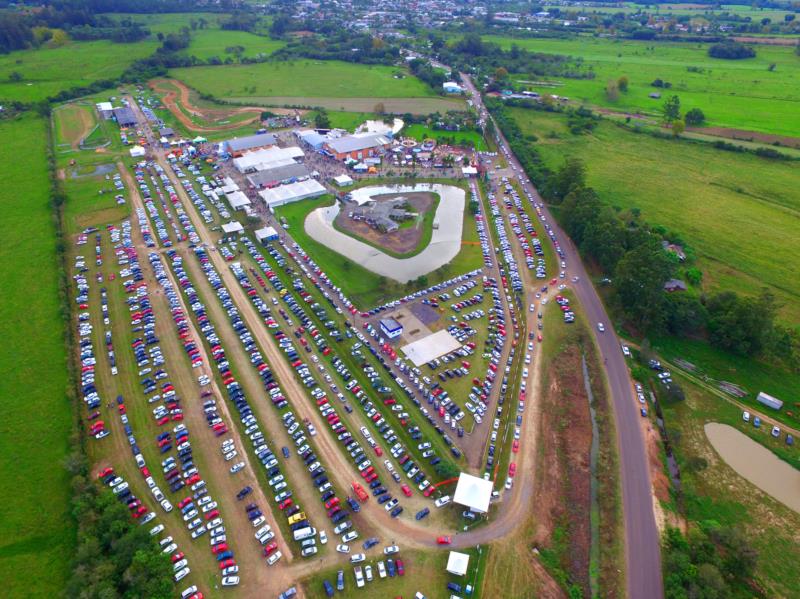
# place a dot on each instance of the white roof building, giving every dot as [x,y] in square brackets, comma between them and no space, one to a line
[457,563]
[232,227]
[343,180]
[266,234]
[473,492]
[266,158]
[137,151]
[293,192]
[237,200]
[430,347]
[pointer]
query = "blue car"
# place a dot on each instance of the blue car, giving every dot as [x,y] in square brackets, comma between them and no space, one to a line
[285,451]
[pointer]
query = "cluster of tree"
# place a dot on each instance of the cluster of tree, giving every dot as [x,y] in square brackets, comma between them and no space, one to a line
[424,71]
[238,21]
[360,48]
[712,561]
[581,120]
[660,83]
[115,557]
[473,54]
[671,111]
[731,50]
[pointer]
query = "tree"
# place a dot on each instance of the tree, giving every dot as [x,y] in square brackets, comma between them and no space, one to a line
[694,117]
[685,314]
[500,73]
[379,108]
[622,84]
[678,127]
[639,279]
[741,325]
[571,176]
[321,120]
[15,76]
[731,51]
[612,91]
[671,109]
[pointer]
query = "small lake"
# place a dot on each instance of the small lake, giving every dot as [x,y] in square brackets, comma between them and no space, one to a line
[756,463]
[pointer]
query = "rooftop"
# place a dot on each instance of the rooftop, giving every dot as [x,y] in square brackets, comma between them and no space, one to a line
[240,144]
[353,143]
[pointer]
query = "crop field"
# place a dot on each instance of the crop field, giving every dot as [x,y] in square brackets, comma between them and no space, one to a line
[739,94]
[44,74]
[679,9]
[685,186]
[37,533]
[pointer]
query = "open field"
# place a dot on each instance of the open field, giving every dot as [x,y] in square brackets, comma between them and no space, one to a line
[739,94]
[210,43]
[75,122]
[681,9]
[361,104]
[421,132]
[365,288]
[686,186]
[36,543]
[713,491]
[44,72]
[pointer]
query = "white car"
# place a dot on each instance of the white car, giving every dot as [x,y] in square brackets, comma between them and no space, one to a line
[181,574]
[323,537]
[357,558]
[230,581]
[343,548]
[237,467]
[272,559]
[600,327]
[381,570]
[350,536]
[442,501]
[391,550]
[188,592]
[368,573]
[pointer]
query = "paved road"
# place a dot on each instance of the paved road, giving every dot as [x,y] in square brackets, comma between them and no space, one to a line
[642,542]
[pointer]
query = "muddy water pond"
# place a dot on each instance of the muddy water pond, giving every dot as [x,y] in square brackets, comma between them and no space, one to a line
[756,463]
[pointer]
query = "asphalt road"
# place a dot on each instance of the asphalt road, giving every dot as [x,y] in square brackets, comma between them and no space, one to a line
[642,541]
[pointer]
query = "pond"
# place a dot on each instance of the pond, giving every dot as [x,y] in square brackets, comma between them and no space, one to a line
[756,463]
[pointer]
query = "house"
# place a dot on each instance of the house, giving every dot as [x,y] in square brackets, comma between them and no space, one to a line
[238,145]
[675,285]
[166,132]
[125,117]
[383,216]
[391,328]
[358,147]
[769,400]
[343,180]
[312,139]
[105,110]
[451,87]
[675,249]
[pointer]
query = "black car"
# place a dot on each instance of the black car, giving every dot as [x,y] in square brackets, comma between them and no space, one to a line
[244,493]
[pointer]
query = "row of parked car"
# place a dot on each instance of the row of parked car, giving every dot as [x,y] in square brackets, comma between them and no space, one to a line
[504,245]
[521,220]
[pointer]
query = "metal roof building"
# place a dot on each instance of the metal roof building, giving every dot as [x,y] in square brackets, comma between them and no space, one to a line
[355,143]
[277,173]
[293,192]
[251,142]
[267,158]
[125,116]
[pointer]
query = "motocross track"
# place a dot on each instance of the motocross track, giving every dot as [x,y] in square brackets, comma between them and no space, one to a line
[183,96]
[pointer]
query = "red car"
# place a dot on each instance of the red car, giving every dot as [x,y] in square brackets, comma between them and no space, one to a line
[406,491]
[227,563]
[270,548]
[401,568]
[176,557]
[212,514]
[512,469]
[105,472]
[285,503]
[444,540]
[219,548]
[515,446]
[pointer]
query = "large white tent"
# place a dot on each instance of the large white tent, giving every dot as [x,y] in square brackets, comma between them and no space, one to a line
[473,492]
[431,347]
[266,158]
[238,200]
[285,194]
[457,563]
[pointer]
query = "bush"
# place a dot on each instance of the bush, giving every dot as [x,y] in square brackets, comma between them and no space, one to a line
[694,117]
[731,51]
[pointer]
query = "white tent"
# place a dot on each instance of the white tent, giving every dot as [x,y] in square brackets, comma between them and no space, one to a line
[285,194]
[430,347]
[469,171]
[266,234]
[457,563]
[238,200]
[473,492]
[262,159]
[137,151]
[232,227]
[343,180]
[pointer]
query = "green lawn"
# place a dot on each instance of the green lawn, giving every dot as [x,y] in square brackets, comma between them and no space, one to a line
[740,94]
[347,120]
[37,534]
[305,78]
[47,71]
[470,138]
[208,43]
[740,213]
[365,288]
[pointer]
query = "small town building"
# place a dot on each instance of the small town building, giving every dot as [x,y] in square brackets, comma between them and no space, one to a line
[266,235]
[312,139]
[343,180]
[238,200]
[469,171]
[451,87]
[231,230]
[125,117]
[166,132]
[768,400]
[273,176]
[105,109]
[137,151]
[675,285]
[391,328]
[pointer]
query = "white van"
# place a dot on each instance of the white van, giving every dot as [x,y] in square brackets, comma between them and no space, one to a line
[304,533]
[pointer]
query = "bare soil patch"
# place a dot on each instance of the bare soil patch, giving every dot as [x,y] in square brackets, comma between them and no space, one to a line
[744,135]
[562,500]
[393,105]
[403,241]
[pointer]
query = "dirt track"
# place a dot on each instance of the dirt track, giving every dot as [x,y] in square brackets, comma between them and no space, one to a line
[171,99]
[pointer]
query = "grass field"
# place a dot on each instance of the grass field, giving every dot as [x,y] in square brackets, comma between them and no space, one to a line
[718,493]
[364,287]
[37,534]
[471,138]
[210,42]
[47,71]
[740,94]
[685,186]
[679,9]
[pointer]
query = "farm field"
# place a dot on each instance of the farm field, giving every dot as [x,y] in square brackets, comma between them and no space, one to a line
[739,94]
[44,74]
[679,9]
[36,543]
[214,42]
[685,186]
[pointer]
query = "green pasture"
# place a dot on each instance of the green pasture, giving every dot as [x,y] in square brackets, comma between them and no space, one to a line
[307,78]
[740,94]
[37,536]
[207,43]
[740,213]
[47,71]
